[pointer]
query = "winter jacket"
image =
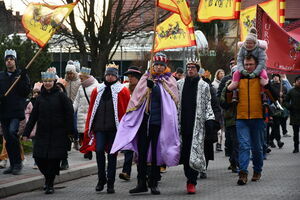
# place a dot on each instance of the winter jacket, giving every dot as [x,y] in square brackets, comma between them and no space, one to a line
[250,102]
[81,104]
[53,113]
[292,103]
[14,103]
[72,87]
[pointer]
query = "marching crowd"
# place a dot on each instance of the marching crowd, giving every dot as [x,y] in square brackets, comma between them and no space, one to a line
[158,119]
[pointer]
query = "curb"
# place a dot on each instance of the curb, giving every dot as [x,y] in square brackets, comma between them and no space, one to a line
[36,182]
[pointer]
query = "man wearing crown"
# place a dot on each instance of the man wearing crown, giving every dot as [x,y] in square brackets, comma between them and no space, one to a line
[108,104]
[150,126]
[194,109]
[12,108]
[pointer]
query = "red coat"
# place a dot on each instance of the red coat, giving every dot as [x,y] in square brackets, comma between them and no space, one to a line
[120,96]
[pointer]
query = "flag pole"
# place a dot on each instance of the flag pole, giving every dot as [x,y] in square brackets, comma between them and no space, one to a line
[237,40]
[154,34]
[27,66]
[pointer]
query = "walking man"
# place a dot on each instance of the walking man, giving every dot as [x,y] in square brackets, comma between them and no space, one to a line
[12,108]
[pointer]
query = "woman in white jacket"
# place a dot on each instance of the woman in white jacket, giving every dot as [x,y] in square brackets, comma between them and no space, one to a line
[82,100]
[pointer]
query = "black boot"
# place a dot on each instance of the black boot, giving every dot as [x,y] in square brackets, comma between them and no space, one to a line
[88,155]
[110,188]
[141,187]
[100,185]
[49,185]
[154,188]
[64,164]
[296,148]
[280,144]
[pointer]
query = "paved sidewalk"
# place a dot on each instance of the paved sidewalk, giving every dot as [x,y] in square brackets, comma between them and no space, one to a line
[31,179]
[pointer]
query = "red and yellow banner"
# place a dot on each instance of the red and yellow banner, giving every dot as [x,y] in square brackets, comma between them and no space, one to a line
[209,10]
[42,20]
[274,8]
[177,6]
[173,33]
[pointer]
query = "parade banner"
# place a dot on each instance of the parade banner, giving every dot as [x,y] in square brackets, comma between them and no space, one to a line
[173,33]
[42,20]
[177,6]
[274,8]
[293,30]
[283,50]
[209,10]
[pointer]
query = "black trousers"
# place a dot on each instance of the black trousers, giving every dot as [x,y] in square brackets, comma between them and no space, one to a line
[234,151]
[275,133]
[189,173]
[146,136]
[296,136]
[128,157]
[283,125]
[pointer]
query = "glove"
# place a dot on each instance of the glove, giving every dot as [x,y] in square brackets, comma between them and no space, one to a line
[150,83]
[245,73]
[252,75]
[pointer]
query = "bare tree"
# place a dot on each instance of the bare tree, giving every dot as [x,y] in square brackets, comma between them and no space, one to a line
[105,28]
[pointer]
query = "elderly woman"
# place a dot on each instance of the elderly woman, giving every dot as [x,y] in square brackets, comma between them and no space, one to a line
[53,113]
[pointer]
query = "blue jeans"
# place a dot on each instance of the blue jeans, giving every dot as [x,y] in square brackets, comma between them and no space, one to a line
[104,141]
[128,157]
[10,129]
[250,135]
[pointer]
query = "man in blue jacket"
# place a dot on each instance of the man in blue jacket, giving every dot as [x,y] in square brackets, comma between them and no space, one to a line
[12,108]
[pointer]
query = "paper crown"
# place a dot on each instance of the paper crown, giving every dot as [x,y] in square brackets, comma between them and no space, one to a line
[193,61]
[48,76]
[10,52]
[85,71]
[112,65]
[51,69]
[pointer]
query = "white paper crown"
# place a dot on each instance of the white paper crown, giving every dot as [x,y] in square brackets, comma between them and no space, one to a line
[48,76]
[10,52]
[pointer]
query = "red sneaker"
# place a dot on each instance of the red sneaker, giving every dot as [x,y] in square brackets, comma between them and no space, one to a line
[191,189]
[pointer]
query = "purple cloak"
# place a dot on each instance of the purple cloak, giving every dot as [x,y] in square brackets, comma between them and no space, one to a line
[168,146]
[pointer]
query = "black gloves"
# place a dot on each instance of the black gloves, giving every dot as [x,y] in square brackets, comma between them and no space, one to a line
[150,83]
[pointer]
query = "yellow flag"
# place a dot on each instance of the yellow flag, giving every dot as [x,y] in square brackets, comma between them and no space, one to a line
[209,10]
[248,15]
[173,33]
[42,20]
[177,6]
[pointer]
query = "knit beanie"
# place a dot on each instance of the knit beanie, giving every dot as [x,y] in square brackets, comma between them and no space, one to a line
[77,65]
[112,69]
[70,67]
[160,59]
[252,35]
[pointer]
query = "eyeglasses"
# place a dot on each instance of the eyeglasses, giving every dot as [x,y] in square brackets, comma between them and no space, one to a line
[232,63]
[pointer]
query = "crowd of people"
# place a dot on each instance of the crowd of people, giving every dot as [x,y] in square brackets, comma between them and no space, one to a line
[157,119]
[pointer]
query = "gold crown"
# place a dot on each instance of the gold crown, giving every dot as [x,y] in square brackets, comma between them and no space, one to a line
[112,65]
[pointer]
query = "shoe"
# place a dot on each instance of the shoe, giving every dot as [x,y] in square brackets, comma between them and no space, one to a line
[8,171]
[243,178]
[110,189]
[17,170]
[218,147]
[272,145]
[35,166]
[88,155]
[124,176]
[100,186]
[280,144]
[49,190]
[190,188]
[141,187]
[234,169]
[296,151]
[154,190]
[268,150]
[64,165]
[203,175]
[256,176]
[163,169]
[229,167]
[287,135]
[3,164]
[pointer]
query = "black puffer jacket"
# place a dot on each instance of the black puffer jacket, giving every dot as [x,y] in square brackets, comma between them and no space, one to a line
[13,104]
[53,113]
